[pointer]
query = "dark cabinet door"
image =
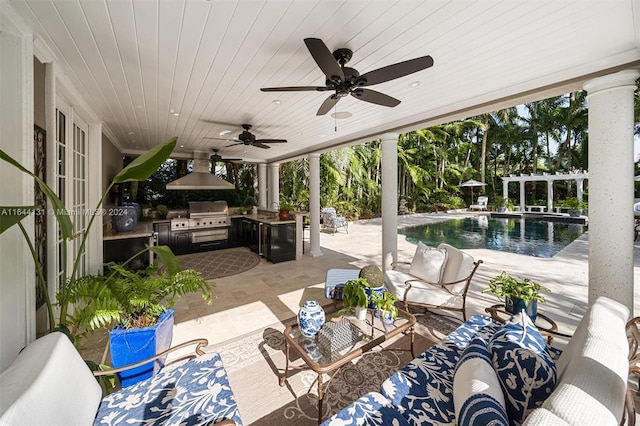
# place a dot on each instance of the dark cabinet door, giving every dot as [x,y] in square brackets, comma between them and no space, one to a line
[181,242]
[282,243]
[235,233]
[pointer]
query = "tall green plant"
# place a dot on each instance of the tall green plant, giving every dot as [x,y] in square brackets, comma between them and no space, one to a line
[139,169]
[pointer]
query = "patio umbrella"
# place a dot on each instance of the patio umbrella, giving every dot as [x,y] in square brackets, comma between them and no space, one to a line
[471,183]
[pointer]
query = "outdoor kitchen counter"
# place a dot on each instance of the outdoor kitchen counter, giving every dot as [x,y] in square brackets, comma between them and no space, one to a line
[269,219]
[141,230]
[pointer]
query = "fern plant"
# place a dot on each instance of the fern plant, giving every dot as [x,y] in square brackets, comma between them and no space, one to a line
[130,299]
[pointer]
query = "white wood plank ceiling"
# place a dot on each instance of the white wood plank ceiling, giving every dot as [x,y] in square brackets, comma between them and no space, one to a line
[137,63]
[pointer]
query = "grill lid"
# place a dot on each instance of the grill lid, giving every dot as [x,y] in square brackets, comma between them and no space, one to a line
[208,208]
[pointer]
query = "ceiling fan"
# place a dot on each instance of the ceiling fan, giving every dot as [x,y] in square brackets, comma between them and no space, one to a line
[345,81]
[248,138]
[216,158]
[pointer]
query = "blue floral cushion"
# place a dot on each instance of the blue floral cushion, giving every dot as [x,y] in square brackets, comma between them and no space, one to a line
[525,368]
[423,390]
[477,396]
[370,409]
[194,393]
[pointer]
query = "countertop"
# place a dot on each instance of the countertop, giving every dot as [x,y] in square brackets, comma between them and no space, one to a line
[268,218]
[143,229]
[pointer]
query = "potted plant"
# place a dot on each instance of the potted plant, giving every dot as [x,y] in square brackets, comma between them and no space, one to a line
[385,303]
[162,211]
[355,295]
[139,304]
[518,293]
[503,205]
[250,203]
[574,205]
[285,210]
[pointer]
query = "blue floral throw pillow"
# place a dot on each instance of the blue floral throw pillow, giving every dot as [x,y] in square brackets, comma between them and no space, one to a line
[525,368]
[477,394]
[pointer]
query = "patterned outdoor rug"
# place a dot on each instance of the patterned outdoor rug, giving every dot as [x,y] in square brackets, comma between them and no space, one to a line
[256,361]
[220,263]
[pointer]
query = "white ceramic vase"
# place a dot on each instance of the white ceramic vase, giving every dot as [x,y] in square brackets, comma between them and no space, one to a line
[310,318]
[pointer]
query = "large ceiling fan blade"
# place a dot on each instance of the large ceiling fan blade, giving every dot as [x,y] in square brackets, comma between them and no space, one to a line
[260,145]
[328,103]
[294,89]
[324,58]
[374,97]
[235,144]
[271,141]
[398,70]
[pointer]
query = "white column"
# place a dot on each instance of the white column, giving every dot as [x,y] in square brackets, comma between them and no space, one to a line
[550,196]
[611,121]
[522,196]
[505,189]
[580,188]
[389,199]
[274,185]
[314,205]
[262,185]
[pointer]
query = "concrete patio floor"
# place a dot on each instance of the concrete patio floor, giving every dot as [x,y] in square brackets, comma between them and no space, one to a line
[270,293]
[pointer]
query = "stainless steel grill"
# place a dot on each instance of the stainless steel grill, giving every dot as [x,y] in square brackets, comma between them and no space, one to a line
[204,215]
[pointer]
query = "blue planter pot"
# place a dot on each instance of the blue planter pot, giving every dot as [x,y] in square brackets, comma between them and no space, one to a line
[136,344]
[124,218]
[377,290]
[515,305]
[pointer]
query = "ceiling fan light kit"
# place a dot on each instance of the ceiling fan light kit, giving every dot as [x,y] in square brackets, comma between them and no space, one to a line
[344,81]
[249,139]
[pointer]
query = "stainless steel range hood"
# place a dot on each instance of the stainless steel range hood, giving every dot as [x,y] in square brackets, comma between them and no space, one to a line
[200,177]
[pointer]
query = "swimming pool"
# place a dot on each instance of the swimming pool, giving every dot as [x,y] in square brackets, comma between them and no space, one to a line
[530,237]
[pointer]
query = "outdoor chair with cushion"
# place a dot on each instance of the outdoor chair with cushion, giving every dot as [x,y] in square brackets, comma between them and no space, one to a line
[482,204]
[50,384]
[331,221]
[436,278]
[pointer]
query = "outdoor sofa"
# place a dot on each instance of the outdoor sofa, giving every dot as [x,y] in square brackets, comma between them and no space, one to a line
[489,373]
[50,384]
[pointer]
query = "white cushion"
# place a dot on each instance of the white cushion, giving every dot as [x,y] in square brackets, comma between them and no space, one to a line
[428,263]
[459,266]
[49,384]
[428,294]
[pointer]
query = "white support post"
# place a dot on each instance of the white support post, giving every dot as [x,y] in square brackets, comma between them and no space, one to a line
[314,205]
[274,186]
[389,199]
[611,125]
[550,196]
[523,201]
[262,185]
[580,189]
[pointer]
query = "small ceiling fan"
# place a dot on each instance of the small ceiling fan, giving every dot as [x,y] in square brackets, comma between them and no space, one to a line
[216,158]
[345,81]
[248,138]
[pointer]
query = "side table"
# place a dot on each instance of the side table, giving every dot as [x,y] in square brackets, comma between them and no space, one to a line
[546,325]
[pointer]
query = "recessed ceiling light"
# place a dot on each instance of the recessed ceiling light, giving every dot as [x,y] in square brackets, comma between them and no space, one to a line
[172,112]
[131,133]
[277,102]
[414,84]
[181,146]
[224,132]
[341,115]
[299,133]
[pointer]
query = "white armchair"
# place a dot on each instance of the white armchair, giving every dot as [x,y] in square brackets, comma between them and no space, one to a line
[437,278]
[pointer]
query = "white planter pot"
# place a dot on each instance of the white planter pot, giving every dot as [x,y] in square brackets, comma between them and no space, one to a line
[361,313]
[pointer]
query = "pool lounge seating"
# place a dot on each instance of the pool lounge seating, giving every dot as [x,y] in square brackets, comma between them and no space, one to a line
[437,278]
[482,204]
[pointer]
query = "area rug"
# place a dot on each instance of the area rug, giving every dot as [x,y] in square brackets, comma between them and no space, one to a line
[255,363]
[220,263]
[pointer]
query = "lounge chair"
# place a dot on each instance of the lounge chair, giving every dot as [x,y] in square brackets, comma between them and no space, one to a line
[437,278]
[331,220]
[482,204]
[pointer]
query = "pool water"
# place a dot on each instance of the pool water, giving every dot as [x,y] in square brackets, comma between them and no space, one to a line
[530,237]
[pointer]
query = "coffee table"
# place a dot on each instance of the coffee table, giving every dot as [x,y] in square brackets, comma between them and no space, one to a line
[323,360]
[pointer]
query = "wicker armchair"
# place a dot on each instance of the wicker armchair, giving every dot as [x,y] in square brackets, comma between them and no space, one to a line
[438,278]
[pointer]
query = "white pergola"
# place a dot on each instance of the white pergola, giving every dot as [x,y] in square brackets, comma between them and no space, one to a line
[579,176]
